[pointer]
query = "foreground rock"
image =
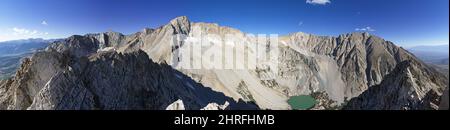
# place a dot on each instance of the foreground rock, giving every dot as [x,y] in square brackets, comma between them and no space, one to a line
[106,80]
[177,105]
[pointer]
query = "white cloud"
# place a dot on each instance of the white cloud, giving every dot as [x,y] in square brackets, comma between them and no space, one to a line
[319,2]
[16,33]
[23,31]
[44,22]
[27,32]
[366,29]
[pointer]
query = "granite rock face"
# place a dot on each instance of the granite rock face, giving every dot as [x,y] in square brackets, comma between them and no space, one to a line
[410,86]
[137,71]
[19,91]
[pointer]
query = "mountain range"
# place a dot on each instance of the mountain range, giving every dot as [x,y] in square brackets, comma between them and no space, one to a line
[435,56]
[355,71]
[432,54]
[11,53]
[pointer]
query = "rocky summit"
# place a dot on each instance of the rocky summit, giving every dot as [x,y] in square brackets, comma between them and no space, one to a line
[355,71]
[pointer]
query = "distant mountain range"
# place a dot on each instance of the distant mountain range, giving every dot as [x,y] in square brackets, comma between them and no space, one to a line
[354,71]
[438,55]
[11,53]
[435,56]
[17,47]
[434,48]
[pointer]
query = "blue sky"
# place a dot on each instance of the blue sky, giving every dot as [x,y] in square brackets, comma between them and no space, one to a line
[405,22]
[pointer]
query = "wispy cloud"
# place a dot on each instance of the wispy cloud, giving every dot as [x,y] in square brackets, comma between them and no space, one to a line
[300,23]
[366,29]
[27,32]
[16,33]
[318,2]
[23,31]
[44,23]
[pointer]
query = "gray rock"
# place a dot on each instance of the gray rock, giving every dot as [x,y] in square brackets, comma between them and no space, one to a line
[105,80]
[410,86]
[115,71]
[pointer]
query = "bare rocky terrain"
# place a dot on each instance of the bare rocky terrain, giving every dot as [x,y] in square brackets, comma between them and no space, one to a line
[115,71]
[12,53]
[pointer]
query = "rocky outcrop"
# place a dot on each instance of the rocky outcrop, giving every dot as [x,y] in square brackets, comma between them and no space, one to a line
[362,59]
[105,80]
[410,86]
[177,105]
[31,77]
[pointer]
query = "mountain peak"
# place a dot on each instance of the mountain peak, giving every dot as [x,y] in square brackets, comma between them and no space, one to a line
[147,30]
[179,18]
[181,24]
[365,34]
